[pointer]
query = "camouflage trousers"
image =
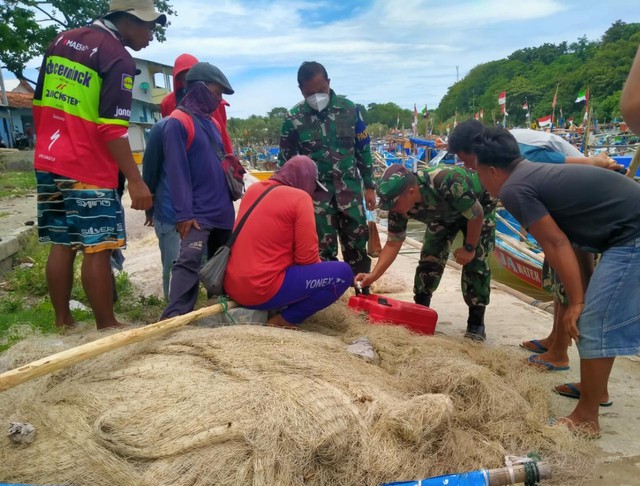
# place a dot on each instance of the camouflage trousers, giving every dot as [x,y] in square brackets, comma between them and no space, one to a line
[551,282]
[348,222]
[476,275]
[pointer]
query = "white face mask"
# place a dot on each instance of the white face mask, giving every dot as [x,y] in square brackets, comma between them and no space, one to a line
[318,101]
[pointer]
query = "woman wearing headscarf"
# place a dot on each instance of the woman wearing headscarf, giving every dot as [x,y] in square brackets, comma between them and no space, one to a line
[274,261]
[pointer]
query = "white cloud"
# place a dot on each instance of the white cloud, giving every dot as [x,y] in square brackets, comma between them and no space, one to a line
[461,14]
[385,52]
[380,51]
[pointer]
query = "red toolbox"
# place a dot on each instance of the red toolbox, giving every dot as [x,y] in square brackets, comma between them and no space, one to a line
[380,309]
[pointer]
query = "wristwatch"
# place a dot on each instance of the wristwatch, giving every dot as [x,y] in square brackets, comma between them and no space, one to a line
[469,247]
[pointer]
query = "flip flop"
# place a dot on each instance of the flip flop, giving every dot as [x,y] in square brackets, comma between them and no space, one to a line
[578,431]
[536,347]
[534,360]
[575,393]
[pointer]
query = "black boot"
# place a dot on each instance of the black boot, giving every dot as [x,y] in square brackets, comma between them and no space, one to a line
[422,299]
[475,323]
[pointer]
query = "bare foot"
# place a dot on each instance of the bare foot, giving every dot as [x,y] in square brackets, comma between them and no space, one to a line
[279,321]
[66,326]
[111,326]
[69,329]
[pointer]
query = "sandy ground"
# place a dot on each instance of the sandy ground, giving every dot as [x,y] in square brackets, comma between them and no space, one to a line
[509,321]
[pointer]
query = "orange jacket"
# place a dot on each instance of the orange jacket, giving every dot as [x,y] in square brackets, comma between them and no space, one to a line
[279,233]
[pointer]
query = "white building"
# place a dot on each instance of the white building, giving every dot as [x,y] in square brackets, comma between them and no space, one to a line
[152,84]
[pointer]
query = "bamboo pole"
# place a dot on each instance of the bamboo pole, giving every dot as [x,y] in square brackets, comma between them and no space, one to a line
[516,474]
[635,163]
[75,355]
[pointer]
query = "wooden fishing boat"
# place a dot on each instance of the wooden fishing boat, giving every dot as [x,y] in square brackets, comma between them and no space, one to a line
[519,255]
[261,175]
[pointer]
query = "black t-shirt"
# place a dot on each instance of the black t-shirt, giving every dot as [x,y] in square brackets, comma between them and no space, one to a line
[596,208]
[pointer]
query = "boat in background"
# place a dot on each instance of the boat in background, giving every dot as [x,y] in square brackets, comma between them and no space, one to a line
[261,175]
[520,255]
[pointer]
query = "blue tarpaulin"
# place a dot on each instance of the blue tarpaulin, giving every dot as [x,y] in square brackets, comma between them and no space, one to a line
[423,143]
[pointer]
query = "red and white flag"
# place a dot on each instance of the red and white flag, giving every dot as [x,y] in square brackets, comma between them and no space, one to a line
[502,98]
[477,116]
[525,106]
[545,121]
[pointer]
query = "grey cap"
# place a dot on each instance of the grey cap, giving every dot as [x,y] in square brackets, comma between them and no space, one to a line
[208,73]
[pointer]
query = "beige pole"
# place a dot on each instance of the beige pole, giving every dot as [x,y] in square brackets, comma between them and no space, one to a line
[75,355]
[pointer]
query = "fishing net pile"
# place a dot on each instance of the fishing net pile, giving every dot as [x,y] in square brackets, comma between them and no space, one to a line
[263,406]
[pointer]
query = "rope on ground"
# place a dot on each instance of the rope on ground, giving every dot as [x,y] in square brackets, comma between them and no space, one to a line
[224,303]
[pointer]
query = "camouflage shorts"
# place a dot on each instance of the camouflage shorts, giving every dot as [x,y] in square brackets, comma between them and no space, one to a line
[552,284]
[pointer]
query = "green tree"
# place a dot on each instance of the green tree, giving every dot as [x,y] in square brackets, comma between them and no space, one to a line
[377,130]
[388,114]
[28,26]
[277,112]
[21,37]
[535,73]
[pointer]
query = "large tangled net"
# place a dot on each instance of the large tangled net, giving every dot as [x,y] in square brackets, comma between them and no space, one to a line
[263,406]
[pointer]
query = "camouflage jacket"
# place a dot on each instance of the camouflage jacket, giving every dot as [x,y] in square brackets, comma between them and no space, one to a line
[448,193]
[337,141]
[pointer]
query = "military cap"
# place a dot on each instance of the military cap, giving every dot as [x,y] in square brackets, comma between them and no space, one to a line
[393,183]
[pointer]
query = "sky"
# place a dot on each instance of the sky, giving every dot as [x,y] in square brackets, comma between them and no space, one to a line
[375,51]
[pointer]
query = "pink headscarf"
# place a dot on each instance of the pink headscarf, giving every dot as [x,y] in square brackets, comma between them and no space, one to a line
[299,172]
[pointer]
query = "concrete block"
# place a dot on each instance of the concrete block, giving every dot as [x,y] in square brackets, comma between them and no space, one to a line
[11,245]
[11,159]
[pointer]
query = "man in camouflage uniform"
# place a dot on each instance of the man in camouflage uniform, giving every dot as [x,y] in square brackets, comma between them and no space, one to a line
[448,199]
[329,129]
[552,351]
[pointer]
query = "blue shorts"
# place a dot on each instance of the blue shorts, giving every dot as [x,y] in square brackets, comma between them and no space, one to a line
[610,322]
[82,216]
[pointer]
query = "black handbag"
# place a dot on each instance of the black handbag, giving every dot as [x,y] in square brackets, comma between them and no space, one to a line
[212,273]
